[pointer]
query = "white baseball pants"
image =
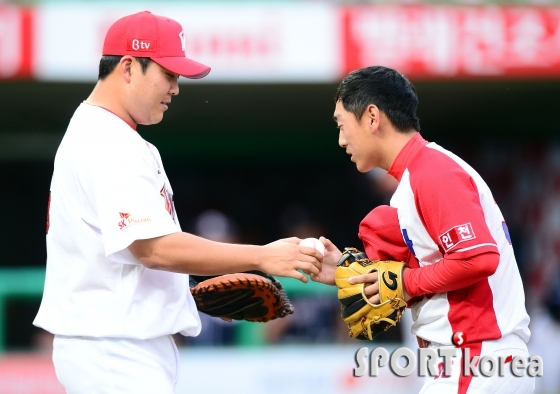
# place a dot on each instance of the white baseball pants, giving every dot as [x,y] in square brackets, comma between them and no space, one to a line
[86,365]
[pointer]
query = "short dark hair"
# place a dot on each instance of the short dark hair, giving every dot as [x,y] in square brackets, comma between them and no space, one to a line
[108,63]
[384,87]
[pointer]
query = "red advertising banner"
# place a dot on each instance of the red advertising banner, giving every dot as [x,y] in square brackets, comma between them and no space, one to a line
[420,40]
[16,36]
[426,41]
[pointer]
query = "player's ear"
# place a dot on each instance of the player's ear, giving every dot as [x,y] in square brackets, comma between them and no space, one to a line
[125,67]
[372,117]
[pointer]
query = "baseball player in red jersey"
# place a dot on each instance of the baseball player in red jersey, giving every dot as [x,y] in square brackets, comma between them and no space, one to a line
[461,273]
[116,287]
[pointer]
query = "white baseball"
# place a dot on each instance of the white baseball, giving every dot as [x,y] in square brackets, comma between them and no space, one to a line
[313,243]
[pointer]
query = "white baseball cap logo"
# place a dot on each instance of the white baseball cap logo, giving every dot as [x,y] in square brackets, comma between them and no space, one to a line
[137,45]
[182,37]
[140,45]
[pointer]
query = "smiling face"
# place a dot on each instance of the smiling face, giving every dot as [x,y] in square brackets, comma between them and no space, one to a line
[357,137]
[149,93]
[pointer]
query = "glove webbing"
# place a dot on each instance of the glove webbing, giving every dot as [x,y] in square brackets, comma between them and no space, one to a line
[377,319]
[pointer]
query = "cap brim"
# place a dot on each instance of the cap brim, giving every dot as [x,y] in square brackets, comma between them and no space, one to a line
[183,66]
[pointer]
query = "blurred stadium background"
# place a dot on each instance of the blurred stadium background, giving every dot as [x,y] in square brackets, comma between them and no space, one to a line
[252,154]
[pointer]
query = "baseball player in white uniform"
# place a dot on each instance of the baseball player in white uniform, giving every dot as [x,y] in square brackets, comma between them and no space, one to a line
[116,284]
[461,276]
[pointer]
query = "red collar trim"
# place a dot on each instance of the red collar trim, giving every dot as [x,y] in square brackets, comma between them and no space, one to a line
[133,127]
[405,156]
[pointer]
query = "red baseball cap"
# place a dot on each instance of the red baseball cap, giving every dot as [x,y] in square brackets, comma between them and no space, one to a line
[380,232]
[157,37]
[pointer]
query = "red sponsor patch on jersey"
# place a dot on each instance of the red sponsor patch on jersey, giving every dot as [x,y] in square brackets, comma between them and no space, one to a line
[458,234]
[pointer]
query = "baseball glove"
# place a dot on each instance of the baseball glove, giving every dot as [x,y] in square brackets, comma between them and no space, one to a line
[253,295]
[366,320]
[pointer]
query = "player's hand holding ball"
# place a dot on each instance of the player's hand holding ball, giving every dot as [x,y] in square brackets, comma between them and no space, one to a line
[285,258]
[331,255]
[313,243]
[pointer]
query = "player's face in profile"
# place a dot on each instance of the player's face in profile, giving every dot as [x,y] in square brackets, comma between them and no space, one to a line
[353,137]
[152,92]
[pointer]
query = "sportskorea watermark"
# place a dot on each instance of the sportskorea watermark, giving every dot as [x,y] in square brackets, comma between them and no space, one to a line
[434,363]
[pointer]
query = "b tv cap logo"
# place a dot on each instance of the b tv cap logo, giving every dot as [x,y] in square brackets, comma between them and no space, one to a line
[141,45]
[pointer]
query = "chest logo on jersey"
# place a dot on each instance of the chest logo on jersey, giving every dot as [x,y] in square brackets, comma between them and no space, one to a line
[456,235]
[126,220]
[408,241]
[169,207]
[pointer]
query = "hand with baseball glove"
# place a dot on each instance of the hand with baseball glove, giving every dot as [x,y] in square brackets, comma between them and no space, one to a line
[253,296]
[371,293]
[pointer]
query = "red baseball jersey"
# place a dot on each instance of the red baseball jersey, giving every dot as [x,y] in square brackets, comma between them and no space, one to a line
[446,210]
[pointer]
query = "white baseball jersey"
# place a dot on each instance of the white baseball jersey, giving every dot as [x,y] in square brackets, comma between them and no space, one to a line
[446,210]
[109,189]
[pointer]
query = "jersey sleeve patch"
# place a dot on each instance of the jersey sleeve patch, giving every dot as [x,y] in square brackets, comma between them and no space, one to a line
[456,235]
[126,220]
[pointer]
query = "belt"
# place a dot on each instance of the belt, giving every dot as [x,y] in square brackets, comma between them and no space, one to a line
[422,342]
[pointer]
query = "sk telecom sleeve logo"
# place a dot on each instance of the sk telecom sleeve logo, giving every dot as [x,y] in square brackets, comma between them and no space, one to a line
[124,220]
[456,235]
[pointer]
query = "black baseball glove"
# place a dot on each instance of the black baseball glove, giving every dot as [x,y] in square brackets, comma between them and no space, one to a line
[253,295]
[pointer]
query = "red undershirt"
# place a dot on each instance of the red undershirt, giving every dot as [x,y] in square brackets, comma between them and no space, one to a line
[449,274]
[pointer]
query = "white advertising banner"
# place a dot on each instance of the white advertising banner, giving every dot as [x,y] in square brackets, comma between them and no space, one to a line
[286,369]
[242,42]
